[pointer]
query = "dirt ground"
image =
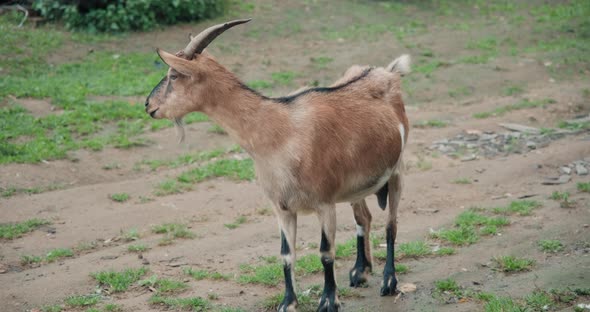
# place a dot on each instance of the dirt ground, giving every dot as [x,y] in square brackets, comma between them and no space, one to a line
[81,211]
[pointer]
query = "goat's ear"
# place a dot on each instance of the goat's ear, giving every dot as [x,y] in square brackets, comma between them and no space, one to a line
[179,64]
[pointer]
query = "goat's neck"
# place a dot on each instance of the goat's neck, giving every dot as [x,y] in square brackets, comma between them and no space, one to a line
[254,122]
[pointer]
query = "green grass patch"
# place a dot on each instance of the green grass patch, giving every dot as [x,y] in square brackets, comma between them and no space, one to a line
[520,207]
[170,187]
[502,304]
[550,245]
[539,300]
[462,181]
[563,198]
[432,123]
[119,281]
[260,84]
[513,90]
[268,274]
[414,249]
[574,126]
[523,104]
[16,230]
[120,197]
[346,249]
[232,168]
[284,78]
[582,187]
[137,248]
[82,301]
[448,284]
[461,91]
[131,235]
[193,304]
[52,308]
[12,190]
[511,264]
[112,307]
[215,128]
[321,62]
[445,251]
[309,264]
[163,285]
[172,231]
[464,235]
[57,254]
[237,222]
[202,274]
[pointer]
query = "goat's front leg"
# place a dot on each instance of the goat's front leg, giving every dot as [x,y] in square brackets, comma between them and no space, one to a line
[329,301]
[362,267]
[288,227]
[389,286]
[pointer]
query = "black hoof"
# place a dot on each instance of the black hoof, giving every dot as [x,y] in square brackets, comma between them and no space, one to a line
[327,305]
[359,276]
[290,306]
[389,287]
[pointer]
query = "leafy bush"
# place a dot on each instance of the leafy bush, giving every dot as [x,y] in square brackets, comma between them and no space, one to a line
[126,15]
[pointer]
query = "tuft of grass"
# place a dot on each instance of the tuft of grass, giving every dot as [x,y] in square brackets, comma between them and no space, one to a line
[26,259]
[172,231]
[268,274]
[462,181]
[202,274]
[163,285]
[119,281]
[513,90]
[445,251]
[401,268]
[57,254]
[52,308]
[582,187]
[432,123]
[414,249]
[16,230]
[464,235]
[131,235]
[520,207]
[321,62]
[563,198]
[346,249]
[260,84]
[239,220]
[449,285]
[232,168]
[169,187]
[539,300]
[193,304]
[215,128]
[550,245]
[574,126]
[112,307]
[513,264]
[461,91]
[120,197]
[137,248]
[502,304]
[284,78]
[82,301]
[309,264]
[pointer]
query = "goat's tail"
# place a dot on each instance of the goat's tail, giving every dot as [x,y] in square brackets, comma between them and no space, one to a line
[382,196]
[400,65]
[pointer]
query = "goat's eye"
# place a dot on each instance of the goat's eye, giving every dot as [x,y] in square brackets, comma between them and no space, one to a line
[173,77]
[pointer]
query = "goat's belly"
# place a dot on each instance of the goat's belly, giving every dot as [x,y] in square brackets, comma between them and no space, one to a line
[358,190]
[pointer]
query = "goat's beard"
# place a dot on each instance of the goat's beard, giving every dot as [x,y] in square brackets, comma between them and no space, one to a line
[179,125]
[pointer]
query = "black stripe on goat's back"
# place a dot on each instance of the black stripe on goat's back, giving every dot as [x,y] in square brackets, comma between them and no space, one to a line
[289,99]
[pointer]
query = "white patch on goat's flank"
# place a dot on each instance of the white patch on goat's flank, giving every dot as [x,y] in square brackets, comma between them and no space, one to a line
[402,133]
[360,231]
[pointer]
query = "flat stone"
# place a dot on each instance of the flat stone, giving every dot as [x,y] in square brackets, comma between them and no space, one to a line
[469,158]
[520,128]
[556,181]
[531,144]
[581,170]
[566,170]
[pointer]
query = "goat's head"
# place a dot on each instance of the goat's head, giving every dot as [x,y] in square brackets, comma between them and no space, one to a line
[187,85]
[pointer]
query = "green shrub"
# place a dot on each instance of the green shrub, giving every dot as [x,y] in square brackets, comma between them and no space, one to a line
[127,15]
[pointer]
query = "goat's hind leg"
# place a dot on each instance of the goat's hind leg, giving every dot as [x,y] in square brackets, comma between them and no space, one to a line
[363,265]
[389,286]
[329,301]
[288,226]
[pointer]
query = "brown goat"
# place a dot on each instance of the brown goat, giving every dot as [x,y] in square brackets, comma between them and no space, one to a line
[311,149]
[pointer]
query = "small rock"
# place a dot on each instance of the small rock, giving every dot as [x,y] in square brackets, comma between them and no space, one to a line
[566,170]
[531,144]
[145,261]
[555,181]
[469,158]
[109,257]
[581,170]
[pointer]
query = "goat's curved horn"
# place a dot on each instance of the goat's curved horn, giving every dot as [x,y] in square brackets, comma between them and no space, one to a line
[201,41]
